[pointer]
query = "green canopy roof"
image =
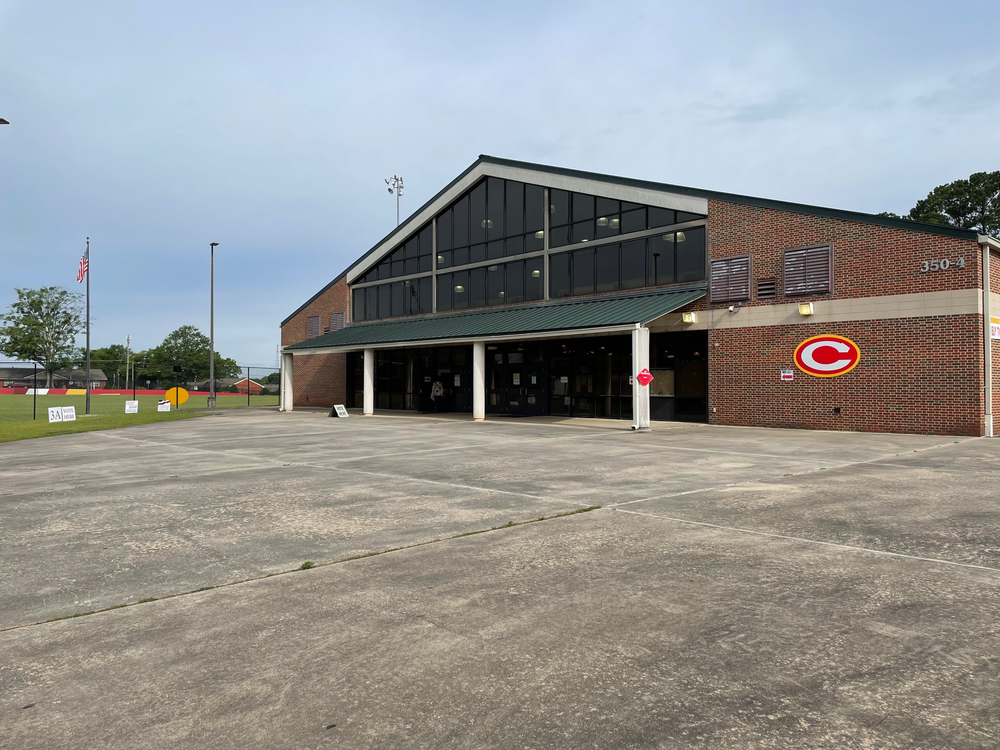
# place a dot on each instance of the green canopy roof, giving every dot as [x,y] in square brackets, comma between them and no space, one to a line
[558,315]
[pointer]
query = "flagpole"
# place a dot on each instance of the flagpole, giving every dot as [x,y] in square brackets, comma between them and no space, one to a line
[88,326]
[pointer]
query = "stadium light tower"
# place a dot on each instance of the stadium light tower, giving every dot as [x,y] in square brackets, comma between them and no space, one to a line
[3,121]
[396,185]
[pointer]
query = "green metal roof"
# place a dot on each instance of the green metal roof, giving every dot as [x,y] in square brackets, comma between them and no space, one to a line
[559,315]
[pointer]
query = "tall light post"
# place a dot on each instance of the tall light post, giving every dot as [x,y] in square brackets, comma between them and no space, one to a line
[3,121]
[396,185]
[211,330]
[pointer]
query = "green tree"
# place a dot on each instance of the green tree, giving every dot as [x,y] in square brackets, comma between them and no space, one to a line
[968,204]
[112,360]
[41,326]
[186,347]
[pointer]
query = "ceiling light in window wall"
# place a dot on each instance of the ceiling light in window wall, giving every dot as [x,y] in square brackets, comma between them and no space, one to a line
[459,288]
[602,221]
[614,223]
[536,273]
[539,234]
[493,268]
[486,224]
[668,237]
[681,237]
[440,259]
[501,294]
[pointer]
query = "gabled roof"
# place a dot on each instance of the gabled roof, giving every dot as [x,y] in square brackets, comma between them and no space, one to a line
[549,176]
[552,316]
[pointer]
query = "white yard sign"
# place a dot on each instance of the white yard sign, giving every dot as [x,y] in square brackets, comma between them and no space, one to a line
[163,406]
[131,407]
[62,414]
[341,411]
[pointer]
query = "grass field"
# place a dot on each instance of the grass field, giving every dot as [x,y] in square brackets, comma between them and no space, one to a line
[107,412]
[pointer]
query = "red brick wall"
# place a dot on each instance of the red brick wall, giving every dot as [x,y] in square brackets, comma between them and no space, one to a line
[319,379]
[868,260]
[916,375]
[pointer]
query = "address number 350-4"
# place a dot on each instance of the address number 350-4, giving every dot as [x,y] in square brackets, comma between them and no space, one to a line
[941,265]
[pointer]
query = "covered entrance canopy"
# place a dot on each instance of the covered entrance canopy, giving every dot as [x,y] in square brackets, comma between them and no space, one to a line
[619,313]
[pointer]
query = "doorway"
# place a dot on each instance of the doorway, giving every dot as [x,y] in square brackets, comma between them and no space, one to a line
[517,380]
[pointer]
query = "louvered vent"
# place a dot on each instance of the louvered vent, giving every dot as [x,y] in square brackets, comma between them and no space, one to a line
[336,321]
[807,271]
[767,288]
[312,326]
[731,280]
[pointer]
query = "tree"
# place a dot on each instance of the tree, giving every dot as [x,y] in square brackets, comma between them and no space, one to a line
[186,347]
[112,360]
[41,326]
[968,204]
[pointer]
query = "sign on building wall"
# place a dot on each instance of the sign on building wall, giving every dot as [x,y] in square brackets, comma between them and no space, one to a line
[994,328]
[827,356]
[787,374]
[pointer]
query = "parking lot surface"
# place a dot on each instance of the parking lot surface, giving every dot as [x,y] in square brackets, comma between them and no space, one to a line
[737,587]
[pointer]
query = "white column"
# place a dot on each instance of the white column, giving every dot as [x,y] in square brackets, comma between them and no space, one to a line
[478,381]
[640,393]
[369,382]
[287,394]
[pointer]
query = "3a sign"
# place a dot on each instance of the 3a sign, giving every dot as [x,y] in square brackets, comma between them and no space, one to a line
[827,356]
[62,414]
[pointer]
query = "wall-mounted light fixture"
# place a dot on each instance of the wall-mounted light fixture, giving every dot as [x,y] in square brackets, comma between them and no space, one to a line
[536,273]
[806,308]
[539,234]
[689,317]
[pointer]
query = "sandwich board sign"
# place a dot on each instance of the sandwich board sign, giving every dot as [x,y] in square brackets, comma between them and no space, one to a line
[340,411]
[131,407]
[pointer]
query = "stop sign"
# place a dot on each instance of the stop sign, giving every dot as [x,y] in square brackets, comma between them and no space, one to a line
[644,377]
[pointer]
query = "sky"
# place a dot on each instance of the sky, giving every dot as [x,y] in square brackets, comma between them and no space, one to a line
[157,128]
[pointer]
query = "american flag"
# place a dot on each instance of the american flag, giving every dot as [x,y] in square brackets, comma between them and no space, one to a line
[84,265]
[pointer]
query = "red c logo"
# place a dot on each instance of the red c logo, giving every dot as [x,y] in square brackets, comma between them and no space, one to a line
[827,356]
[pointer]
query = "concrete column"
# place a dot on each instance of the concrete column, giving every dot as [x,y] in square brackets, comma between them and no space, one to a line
[287,395]
[478,381]
[369,382]
[988,352]
[640,393]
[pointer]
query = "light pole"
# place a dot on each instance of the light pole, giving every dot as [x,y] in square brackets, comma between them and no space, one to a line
[211,330]
[396,184]
[3,121]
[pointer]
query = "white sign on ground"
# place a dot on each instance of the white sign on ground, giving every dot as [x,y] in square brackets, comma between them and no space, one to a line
[55,414]
[341,411]
[62,414]
[163,406]
[131,407]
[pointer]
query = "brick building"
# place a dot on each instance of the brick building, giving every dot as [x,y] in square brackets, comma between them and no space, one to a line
[523,289]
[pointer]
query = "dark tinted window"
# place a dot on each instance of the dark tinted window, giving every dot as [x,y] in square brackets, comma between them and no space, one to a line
[477,253]
[477,213]
[412,248]
[685,216]
[534,278]
[445,283]
[633,264]
[460,290]
[515,282]
[358,308]
[460,217]
[660,259]
[691,254]
[426,240]
[494,249]
[660,217]
[384,301]
[398,300]
[495,285]
[515,208]
[558,236]
[583,272]
[515,245]
[412,265]
[424,263]
[494,208]
[534,209]
[371,303]
[583,231]
[607,268]
[444,231]
[583,207]
[423,296]
[444,259]
[534,241]
[634,221]
[558,208]
[460,256]
[559,284]
[477,287]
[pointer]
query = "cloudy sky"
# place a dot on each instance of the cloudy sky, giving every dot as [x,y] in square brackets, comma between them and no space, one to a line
[156,128]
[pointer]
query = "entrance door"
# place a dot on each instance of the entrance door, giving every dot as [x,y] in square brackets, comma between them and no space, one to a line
[518,381]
